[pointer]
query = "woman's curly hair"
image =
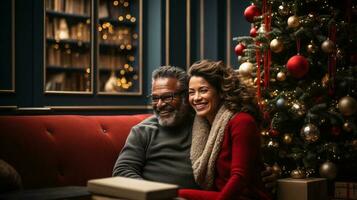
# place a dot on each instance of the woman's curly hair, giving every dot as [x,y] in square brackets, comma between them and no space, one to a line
[237,97]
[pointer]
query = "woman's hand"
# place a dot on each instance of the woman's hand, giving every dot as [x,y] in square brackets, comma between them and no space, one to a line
[269,178]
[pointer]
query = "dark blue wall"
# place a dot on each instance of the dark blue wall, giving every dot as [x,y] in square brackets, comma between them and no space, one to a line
[239,26]
[29,51]
[154,39]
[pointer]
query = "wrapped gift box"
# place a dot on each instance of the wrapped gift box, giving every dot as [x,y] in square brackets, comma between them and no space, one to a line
[302,189]
[345,190]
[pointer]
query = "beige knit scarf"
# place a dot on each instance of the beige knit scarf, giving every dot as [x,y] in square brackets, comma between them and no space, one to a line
[206,145]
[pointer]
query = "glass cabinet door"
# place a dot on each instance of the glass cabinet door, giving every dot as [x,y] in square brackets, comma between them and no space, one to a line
[68,46]
[119,47]
[7,47]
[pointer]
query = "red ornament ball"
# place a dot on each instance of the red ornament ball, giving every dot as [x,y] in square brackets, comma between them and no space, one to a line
[273,133]
[239,49]
[250,12]
[253,32]
[297,66]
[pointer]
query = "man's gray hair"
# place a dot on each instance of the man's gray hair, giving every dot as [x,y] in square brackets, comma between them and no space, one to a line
[172,72]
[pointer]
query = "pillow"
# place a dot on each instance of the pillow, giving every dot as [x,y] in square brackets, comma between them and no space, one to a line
[9,177]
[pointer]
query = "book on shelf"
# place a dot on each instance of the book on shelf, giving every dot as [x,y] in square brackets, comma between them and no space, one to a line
[65,59]
[49,28]
[87,8]
[75,7]
[53,56]
[103,9]
[80,32]
[49,4]
[69,8]
[79,7]
[58,5]
[134,189]
[111,61]
[55,82]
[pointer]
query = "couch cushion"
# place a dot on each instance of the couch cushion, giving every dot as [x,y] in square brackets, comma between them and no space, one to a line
[63,149]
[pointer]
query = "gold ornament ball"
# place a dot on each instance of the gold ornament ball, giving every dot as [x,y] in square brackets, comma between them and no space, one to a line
[246,69]
[274,93]
[276,45]
[328,170]
[281,76]
[298,108]
[293,21]
[310,133]
[287,138]
[276,169]
[347,126]
[328,46]
[347,106]
[311,48]
[298,174]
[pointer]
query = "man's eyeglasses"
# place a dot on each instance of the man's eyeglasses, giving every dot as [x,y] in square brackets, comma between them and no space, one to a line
[166,98]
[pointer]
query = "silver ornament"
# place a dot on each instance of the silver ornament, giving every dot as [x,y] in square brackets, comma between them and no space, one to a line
[310,133]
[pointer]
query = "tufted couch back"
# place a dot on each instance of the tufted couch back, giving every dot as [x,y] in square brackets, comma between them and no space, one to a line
[61,150]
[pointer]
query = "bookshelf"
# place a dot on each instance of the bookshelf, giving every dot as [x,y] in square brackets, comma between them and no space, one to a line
[73,55]
[118,47]
[68,46]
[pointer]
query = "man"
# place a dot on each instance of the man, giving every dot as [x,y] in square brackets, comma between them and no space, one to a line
[158,149]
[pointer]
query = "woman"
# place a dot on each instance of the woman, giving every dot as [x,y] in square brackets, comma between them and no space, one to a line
[225,151]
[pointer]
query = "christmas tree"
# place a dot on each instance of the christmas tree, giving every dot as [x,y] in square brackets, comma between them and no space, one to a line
[301,55]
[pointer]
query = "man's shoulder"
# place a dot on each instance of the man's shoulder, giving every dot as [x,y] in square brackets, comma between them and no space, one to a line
[148,123]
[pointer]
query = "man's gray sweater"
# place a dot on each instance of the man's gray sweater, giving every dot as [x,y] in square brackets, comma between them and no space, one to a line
[155,153]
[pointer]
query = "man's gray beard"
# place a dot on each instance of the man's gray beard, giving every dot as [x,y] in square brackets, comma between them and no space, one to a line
[176,118]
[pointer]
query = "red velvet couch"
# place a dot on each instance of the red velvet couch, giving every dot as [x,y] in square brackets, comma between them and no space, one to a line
[63,150]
